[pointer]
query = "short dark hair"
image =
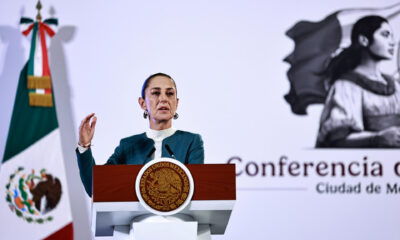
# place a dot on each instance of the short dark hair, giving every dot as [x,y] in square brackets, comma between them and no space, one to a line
[147,81]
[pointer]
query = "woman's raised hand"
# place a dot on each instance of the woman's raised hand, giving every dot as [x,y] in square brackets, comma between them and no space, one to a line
[86,130]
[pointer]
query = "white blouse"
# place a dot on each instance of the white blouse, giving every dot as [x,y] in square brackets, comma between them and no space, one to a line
[350,106]
[158,136]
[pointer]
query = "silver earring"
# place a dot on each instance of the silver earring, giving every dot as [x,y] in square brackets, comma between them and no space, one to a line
[176,115]
[145,113]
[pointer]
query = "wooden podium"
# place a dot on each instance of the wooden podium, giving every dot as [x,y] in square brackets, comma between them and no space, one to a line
[115,203]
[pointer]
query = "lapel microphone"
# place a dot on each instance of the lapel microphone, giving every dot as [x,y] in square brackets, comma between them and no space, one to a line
[170,151]
[149,155]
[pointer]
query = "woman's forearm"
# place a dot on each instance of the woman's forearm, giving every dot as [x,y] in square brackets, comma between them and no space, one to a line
[363,139]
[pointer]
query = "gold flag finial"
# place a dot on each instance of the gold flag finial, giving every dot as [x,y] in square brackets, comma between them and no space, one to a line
[38,7]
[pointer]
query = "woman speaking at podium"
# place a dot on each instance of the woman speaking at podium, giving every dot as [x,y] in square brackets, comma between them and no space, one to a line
[159,102]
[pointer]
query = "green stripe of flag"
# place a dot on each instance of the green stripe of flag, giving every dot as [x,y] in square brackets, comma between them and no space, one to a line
[33,47]
[26,20]
[28,124]
[53,21]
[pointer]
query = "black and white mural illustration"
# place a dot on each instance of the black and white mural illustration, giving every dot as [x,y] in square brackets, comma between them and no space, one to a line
[349,62]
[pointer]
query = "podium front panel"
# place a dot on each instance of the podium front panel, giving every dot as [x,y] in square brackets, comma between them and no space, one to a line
[115,202]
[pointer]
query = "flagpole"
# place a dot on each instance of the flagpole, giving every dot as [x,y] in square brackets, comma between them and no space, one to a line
[38,7]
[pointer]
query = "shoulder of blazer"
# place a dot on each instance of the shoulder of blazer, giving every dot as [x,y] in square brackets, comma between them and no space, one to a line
[135,139]
[184,134]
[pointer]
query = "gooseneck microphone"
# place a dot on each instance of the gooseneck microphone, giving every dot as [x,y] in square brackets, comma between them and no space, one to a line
[170,151]
[149,155]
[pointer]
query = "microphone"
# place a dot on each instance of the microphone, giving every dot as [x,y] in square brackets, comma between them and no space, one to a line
[149,155]
[170,151]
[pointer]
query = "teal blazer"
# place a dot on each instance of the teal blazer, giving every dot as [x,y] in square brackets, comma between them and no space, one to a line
[187,148]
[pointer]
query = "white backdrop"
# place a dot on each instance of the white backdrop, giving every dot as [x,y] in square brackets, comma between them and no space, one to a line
[226,58]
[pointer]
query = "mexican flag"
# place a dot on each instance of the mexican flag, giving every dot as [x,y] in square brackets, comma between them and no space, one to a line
[34,201]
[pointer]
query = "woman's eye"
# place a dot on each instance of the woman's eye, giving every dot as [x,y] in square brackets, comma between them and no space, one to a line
[170,93]
[386,34]
[155,93]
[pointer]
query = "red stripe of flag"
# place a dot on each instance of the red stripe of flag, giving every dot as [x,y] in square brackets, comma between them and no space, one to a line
[65,233]
[46,70]
[28,30]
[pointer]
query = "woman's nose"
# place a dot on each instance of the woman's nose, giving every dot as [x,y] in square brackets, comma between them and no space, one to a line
[163,97]
[392,42]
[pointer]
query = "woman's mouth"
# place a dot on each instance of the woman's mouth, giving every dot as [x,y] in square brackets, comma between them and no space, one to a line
[163,109]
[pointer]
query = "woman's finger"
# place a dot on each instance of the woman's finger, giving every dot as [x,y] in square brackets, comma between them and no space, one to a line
[93,124]
[87,118]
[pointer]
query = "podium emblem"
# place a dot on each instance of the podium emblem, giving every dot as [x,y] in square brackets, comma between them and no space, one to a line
[164,186]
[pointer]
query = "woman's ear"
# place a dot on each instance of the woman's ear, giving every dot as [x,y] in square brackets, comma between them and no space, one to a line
[363,40]
[142,103]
